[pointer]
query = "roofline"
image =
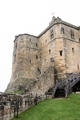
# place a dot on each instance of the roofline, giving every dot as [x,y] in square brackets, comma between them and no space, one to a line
[60,22]
[54,23]
[24,34]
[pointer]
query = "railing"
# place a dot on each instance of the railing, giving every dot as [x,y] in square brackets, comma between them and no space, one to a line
[67,84]
[55,88]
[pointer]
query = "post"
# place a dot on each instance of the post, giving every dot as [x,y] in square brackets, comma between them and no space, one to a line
[17,106]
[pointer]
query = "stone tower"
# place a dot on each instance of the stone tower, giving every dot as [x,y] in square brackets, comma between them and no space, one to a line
[52,55]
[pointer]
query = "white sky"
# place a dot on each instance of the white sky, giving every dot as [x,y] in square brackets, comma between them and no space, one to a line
[29,16]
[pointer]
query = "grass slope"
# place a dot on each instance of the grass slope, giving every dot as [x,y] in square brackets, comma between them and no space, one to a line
[16,92]
[54,109]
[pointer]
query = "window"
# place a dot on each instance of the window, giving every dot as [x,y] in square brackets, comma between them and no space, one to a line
[36,45]
[38,70]
[36,56]
[30,39]
[73,50]
[72,34]
[60,52]
[51,33]
[49,52]
[62,30]
[40,56]
[30,61]
[78,67]
[79,39]
[52,59]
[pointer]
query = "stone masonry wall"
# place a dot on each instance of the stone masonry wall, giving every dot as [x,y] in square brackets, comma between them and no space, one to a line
[11,104]
[57,46]
[25,54]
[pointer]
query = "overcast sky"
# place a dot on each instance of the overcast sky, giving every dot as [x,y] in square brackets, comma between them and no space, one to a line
[32,17]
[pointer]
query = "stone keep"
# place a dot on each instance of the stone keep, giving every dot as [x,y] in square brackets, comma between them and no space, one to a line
[39,60]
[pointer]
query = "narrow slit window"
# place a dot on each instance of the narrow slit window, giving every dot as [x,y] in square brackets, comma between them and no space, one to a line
[49,52]
[30,39]
[78,67]
[62,30]
[30,61]
[60,52]
[73,50]
[38,70]
[51,34]
[36,56]
[36,45]
[79,39]
[72,34]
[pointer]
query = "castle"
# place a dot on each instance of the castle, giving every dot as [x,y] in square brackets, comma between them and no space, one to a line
[38,61]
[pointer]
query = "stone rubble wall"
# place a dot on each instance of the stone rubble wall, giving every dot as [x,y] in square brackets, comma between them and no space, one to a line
[8,107]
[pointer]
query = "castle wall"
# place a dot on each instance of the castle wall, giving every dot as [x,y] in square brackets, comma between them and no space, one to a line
[50,47]
[25,63]
[72,50]
[61,48]
[47,50]
[57,46]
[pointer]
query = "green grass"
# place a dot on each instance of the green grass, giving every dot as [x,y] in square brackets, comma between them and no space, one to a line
[16,92]
[54,109]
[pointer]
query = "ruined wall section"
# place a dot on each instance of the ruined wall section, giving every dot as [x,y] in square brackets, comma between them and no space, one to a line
[25,57]
[43,83]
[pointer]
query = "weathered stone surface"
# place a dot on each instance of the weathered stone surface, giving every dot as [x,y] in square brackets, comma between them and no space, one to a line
[57,46]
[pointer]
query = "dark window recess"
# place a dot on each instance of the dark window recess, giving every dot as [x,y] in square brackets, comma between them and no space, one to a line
[30,61]
[61,52]
[52,59]
[78,67]
[73,50]
[49,52]
[36,45]
[51,33]
[79,39]
[38,70]
[36,56]
[62,30]
[40,56]
[30,39]
[72,34]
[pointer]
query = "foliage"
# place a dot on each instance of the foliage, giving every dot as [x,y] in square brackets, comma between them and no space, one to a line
[16,92]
